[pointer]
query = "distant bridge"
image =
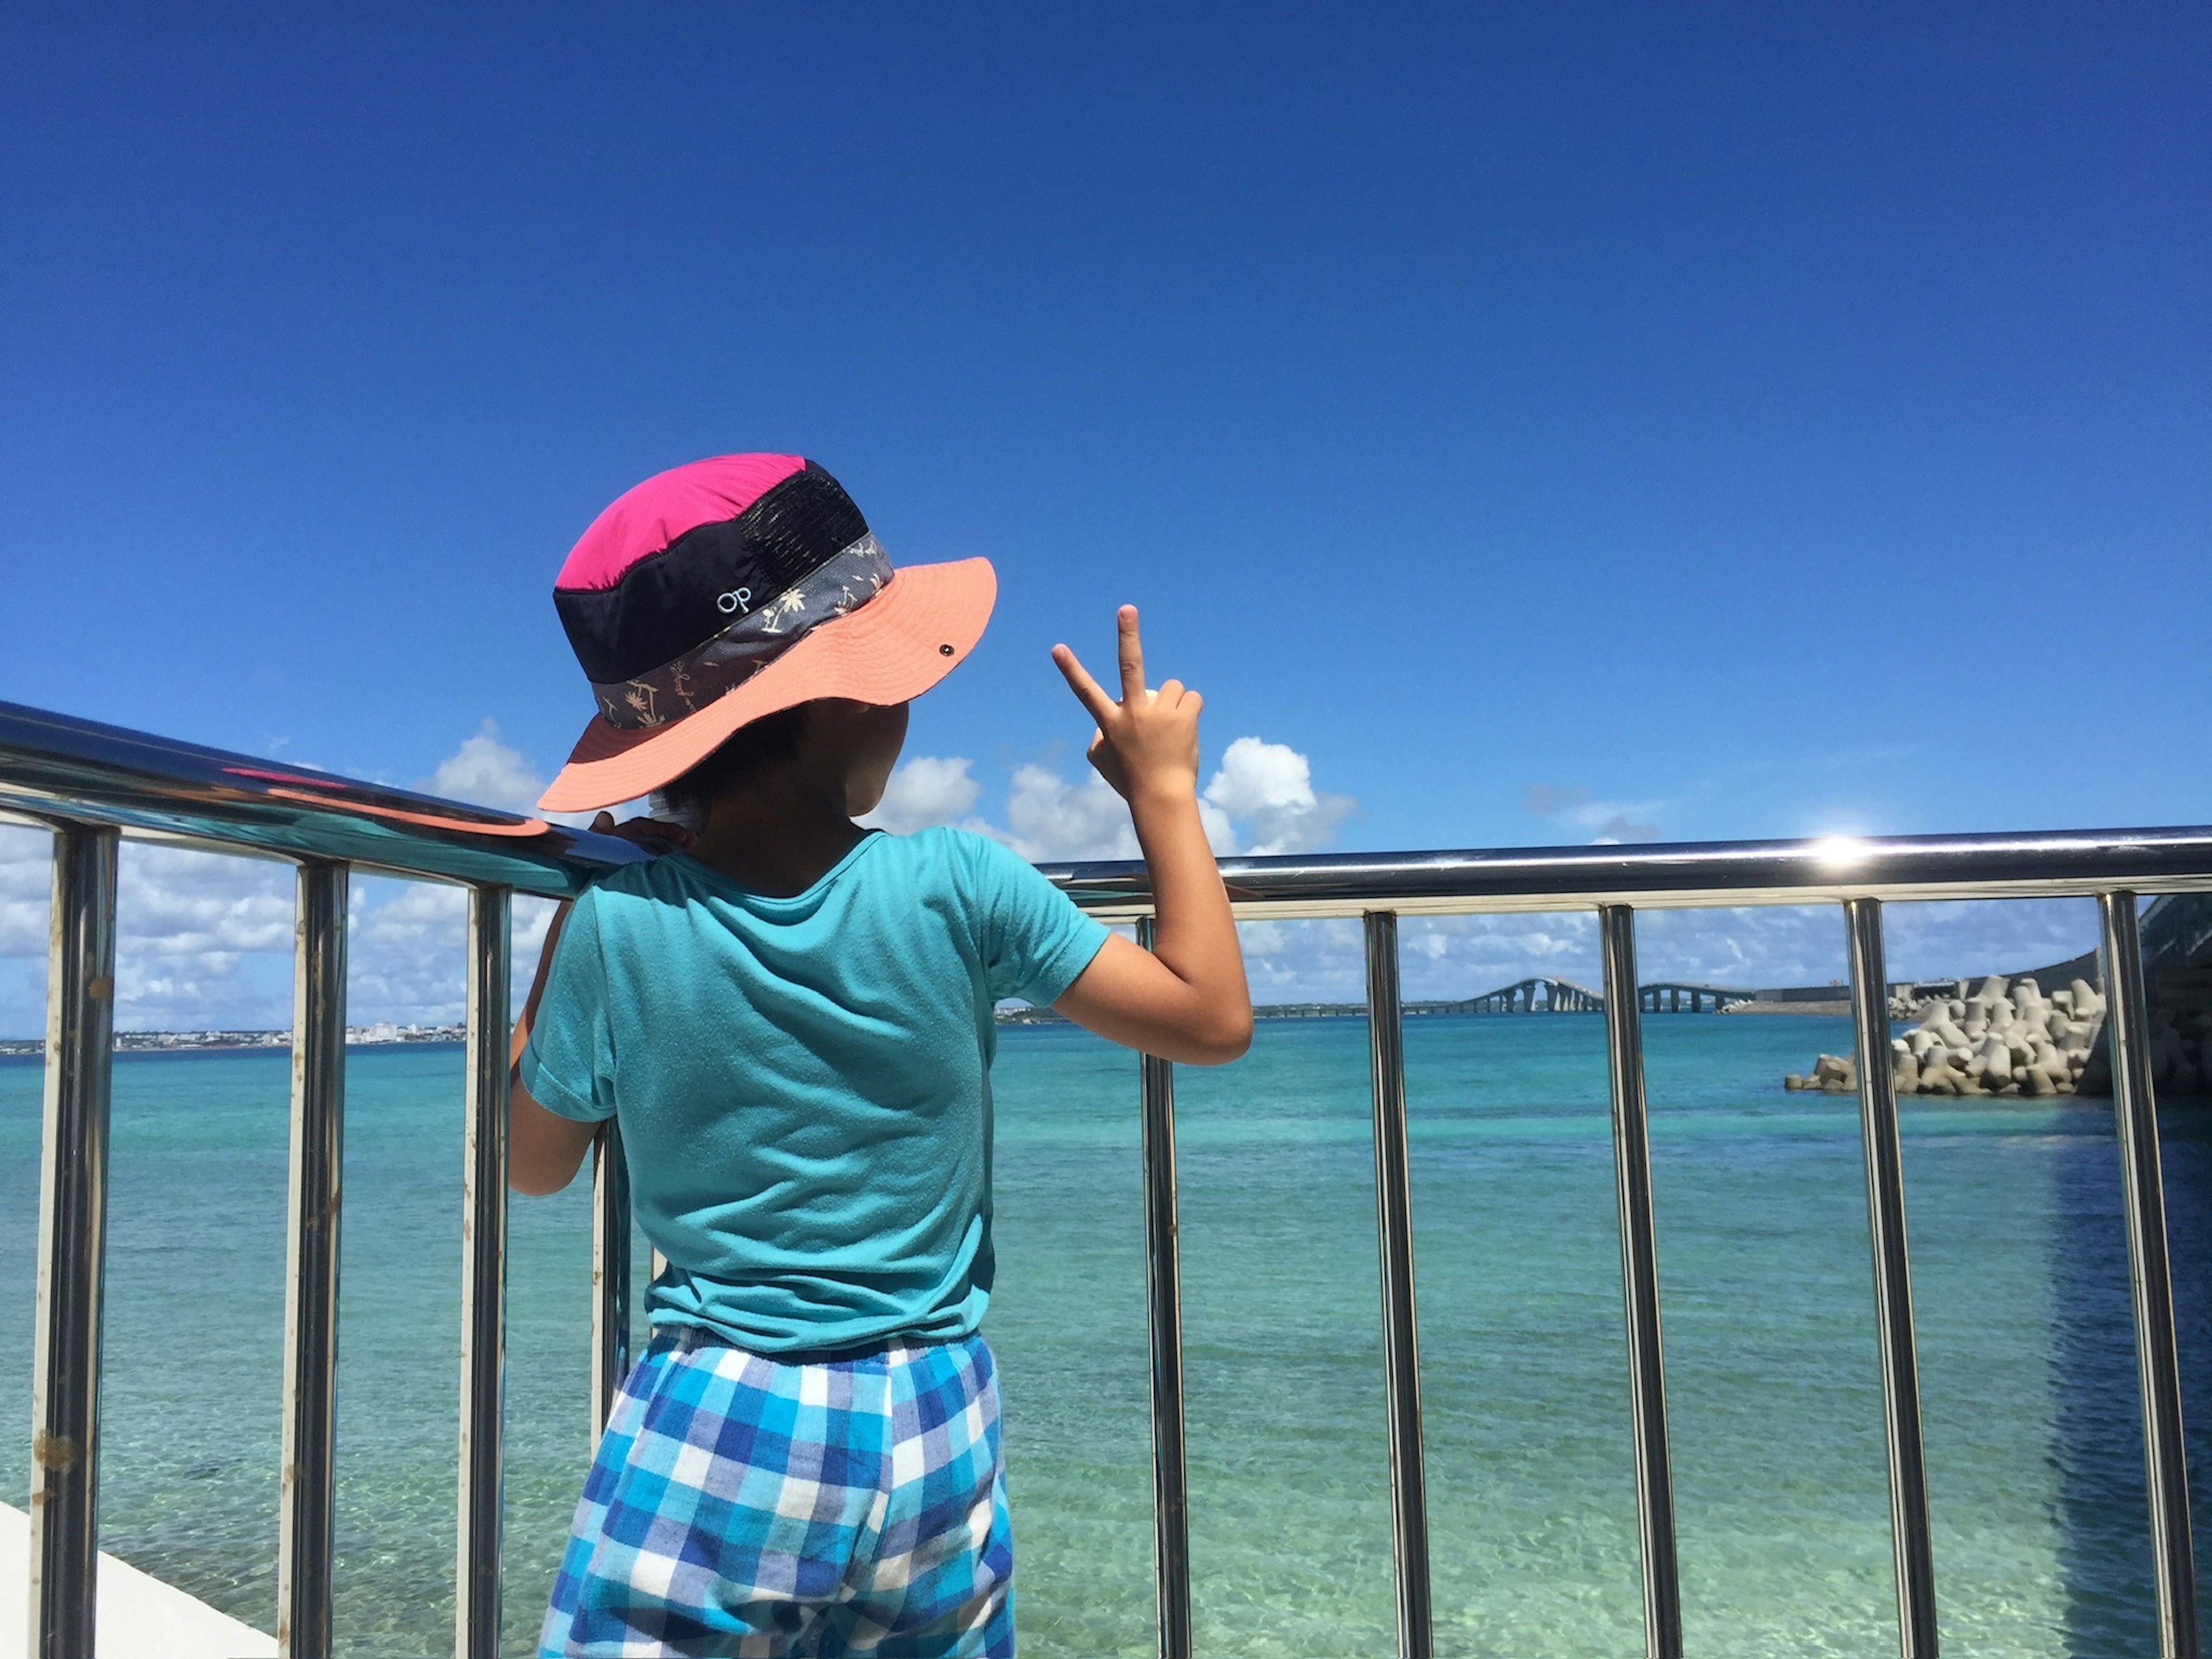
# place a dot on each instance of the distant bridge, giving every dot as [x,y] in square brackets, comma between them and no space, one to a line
[1668,997]
[1530,996]
[1564,996]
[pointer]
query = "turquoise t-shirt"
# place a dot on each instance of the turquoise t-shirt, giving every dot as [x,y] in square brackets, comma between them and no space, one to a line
[804,1084]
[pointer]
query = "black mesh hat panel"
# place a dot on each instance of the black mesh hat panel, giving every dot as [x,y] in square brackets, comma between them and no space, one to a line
[673,601]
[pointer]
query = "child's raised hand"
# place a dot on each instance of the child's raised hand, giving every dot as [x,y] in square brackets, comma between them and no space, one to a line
[1185,999]
[1147,742]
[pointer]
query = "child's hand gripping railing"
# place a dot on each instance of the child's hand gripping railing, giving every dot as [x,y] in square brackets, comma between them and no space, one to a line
[91,783]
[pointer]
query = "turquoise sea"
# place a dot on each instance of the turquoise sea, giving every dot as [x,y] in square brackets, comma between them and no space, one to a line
[2020,1288]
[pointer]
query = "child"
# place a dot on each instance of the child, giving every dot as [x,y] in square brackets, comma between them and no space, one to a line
[791,1018]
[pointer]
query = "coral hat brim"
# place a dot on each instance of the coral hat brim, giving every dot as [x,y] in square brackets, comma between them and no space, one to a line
[906,638]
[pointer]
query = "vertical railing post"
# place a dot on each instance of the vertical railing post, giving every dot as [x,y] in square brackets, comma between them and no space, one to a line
[64,1553]
[484,1280]
[2158,1366]
[1892,1282]
[307,1493]
[1639,1286]
[1393,1217]
[611,1217]
[1164,1312]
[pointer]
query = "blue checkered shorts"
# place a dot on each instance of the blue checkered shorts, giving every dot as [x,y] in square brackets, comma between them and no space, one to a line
[739,1505]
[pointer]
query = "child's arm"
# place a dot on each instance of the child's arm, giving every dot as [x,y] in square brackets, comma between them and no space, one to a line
[1186,999]
[543,1149]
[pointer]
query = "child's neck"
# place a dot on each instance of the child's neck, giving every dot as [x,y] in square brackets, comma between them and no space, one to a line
[779,834]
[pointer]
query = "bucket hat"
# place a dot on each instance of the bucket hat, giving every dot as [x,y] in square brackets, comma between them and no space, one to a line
[728,589]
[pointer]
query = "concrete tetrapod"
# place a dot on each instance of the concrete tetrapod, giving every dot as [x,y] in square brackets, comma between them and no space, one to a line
[2008,1037]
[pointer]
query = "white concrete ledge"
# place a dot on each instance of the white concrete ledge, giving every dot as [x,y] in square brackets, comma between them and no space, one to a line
[139,1615]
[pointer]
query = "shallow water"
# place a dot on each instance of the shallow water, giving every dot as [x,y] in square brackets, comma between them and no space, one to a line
[2019,1284]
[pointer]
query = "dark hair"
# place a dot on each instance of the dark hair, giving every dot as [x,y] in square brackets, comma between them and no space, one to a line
[750,749]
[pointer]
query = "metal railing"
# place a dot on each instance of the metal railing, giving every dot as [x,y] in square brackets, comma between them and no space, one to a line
[90,783]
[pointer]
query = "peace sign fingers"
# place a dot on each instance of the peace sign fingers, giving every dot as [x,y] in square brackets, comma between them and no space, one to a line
[1132,651]
[1148,736]
[1088,692]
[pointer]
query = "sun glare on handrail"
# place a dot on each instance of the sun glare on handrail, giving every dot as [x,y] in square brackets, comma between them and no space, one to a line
[1841,852]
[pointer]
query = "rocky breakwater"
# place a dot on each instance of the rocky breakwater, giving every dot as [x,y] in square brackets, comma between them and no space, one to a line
[2008,1038]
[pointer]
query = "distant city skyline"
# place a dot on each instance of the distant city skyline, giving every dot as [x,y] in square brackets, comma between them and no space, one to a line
[193,1039]
[1526,426]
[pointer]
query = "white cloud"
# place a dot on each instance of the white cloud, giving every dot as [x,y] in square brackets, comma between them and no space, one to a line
[1221,834]
[201,938]
[1261,800]
[1303,961]
[1049,819]
[406,959]
[1605,822]
[924,792]
[486,772]
[204,940]
[407,955]
[408,951]
[532,917]
[1269,787]
[26,882]
[172,903]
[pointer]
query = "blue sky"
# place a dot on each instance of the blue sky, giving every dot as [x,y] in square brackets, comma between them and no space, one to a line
[1545,423]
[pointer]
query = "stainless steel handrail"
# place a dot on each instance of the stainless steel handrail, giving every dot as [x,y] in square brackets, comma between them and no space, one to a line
[483,1282]
[64,1550]
[1640,1288]
[611,1276]
[1394,1226]
[54,769]
[1892,1282]
[2157,1363]
[1681,875]
[1164,1321]
[308,1532]
[88,782]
